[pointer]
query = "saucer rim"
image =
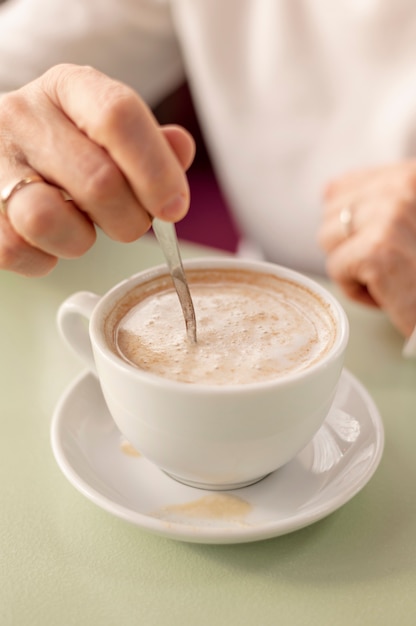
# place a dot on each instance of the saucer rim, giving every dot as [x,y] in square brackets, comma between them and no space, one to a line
[206,534]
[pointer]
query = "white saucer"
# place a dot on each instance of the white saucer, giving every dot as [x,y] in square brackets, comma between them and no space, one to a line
[337,463]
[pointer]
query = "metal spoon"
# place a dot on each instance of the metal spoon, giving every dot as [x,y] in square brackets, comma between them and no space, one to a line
[166,235]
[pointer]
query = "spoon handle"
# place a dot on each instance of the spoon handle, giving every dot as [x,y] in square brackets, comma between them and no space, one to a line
[166,235]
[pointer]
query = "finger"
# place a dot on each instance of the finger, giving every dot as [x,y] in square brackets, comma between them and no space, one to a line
[16,255]
[379,272]
[337,226]
[364,211]
[342,267]
[84,169]
[182,144]
[41,216]
[115,118]
[392,215]
[389,272]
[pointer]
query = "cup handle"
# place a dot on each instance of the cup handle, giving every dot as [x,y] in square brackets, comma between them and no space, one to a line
[72,316]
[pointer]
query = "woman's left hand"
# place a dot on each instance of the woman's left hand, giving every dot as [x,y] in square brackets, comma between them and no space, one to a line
[369,235]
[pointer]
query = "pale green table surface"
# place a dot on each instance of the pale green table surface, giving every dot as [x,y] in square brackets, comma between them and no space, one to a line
[64,561]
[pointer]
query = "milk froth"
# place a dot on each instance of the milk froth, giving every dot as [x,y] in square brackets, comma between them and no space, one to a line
[251,327]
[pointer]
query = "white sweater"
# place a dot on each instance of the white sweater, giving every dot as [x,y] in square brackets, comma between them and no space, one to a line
[289,93]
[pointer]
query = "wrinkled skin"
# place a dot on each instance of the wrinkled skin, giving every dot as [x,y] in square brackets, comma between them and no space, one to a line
[376,263]
[96,139]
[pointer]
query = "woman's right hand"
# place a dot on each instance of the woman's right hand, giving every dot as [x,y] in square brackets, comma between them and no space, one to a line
[94,138]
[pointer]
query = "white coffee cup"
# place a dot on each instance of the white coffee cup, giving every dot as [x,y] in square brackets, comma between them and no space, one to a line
[206,435]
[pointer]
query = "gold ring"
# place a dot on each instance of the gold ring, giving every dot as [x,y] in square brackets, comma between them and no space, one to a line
[345,218]
[8,191]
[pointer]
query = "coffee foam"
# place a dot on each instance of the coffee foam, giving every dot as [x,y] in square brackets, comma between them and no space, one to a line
[251,327]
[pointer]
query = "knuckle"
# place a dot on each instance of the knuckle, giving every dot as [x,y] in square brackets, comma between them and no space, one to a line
[102,179]
[119,106]
[13,104]
[380,262]
[61,75]
[161,179]
[46,228]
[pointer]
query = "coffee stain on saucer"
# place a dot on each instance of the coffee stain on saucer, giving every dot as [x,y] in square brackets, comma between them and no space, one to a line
[127,448]
[216,506]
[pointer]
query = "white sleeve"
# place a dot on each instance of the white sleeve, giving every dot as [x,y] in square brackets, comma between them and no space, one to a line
[131,40]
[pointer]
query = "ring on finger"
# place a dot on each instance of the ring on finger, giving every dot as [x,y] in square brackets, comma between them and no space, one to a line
[346,220]
[7,192]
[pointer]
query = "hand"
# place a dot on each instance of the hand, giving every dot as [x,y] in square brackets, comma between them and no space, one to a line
[96,139]
[375,263]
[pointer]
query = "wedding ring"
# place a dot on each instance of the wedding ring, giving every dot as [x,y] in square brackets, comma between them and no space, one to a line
[8,191]
[345,218]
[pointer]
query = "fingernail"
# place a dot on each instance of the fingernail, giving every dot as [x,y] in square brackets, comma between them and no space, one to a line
[175,208]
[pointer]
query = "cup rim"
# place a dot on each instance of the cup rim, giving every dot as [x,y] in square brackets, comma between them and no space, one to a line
[107,300]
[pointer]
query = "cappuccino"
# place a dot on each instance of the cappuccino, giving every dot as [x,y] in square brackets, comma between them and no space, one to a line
[251,327]
[241,402]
